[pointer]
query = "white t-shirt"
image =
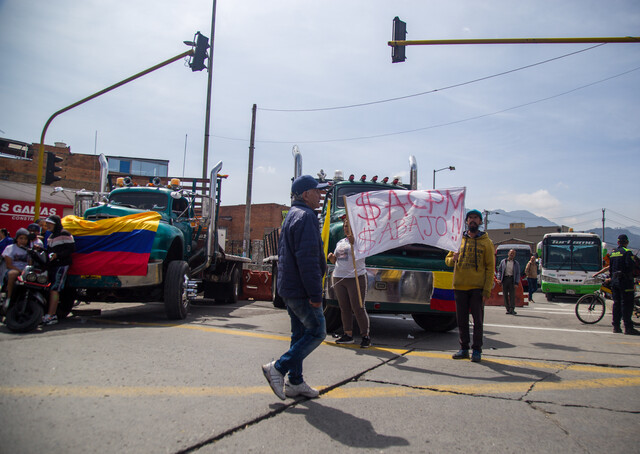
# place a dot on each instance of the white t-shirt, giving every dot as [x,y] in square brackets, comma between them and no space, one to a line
[18,255]
[344,262]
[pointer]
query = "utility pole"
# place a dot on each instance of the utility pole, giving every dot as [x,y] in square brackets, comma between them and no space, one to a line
[205,153]
[603,225]
[246,240]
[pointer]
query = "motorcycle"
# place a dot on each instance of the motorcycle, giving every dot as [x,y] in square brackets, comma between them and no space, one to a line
[30,296]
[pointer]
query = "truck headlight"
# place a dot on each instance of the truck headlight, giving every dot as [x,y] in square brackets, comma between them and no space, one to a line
[551,279]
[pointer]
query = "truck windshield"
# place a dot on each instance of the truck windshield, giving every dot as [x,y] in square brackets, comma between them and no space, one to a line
[574,254]
[148,201]
[352,189]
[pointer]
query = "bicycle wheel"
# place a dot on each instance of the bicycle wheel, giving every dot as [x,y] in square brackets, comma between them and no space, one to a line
[635,316]
[590,309]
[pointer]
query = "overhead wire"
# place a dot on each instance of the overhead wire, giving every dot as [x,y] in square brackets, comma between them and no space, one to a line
[398,98]
[408,131]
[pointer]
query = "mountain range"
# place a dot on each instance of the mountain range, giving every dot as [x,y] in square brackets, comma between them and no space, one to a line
[500,219]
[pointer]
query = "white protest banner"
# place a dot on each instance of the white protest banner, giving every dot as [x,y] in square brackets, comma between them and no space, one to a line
[383,220]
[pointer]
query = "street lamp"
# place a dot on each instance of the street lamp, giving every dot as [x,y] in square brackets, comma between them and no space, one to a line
[434,173]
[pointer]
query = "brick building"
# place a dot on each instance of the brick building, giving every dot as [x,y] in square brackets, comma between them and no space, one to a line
[264,218]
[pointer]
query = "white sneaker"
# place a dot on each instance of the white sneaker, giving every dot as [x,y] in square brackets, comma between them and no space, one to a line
[300,390]
[275,379]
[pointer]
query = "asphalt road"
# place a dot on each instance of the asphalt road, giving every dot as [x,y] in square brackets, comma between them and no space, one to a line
[128,380]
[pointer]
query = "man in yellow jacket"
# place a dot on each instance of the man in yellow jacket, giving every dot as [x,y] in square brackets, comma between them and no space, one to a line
[473,271]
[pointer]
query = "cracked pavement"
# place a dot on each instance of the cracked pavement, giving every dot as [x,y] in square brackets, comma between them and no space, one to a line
[129,381]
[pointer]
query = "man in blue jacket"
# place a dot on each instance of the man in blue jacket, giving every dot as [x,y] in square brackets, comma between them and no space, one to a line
[301,265]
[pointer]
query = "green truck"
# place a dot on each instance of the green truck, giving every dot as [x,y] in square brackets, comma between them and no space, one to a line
[185,258]
[412,279]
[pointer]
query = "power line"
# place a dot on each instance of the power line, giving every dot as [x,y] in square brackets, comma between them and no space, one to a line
[622,215]
[477,117]
[320,109]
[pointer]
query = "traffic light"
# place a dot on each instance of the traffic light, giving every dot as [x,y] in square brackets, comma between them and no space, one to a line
[200,54]
[399,34]
[52,168]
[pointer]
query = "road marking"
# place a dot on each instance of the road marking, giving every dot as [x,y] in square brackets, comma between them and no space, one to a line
[538,328]
[626,377]
[344,392]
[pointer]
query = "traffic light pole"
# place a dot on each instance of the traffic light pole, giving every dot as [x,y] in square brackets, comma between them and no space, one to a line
[82,101]
[430,42]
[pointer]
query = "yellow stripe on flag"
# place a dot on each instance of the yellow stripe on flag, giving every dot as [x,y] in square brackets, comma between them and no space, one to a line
[140,221]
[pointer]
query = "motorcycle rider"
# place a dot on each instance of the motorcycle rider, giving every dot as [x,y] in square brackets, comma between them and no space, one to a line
[16,258]
[60,246]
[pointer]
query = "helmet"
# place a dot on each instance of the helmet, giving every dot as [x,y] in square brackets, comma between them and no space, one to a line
[22,231]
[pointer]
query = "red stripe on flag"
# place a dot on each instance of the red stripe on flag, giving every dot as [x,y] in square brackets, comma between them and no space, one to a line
[107,263]
[443,305]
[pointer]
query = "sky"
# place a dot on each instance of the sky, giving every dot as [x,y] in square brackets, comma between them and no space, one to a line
[548,128]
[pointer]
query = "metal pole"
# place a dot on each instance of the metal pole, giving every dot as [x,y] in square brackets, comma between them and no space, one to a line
[430,42]
[434,178]
[82,101]
[246,241]
[205,153]
[603,225]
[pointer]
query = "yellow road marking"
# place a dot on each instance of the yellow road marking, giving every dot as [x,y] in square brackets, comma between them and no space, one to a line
[345,392]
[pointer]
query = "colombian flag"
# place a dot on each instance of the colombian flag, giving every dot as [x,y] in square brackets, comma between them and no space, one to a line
[443,298]
[112,247]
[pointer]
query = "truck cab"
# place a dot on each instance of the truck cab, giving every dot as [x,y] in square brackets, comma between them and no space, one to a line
[412,279]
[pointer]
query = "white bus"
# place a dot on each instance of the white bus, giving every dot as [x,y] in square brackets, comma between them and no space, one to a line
[568,262]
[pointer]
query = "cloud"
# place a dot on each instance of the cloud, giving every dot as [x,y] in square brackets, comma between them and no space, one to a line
[267,170]
[540,202]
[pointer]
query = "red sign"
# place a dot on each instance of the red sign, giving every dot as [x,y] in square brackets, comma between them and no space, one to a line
[19,213]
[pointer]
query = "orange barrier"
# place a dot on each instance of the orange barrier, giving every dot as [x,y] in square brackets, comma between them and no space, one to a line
[496,298]
[256,285]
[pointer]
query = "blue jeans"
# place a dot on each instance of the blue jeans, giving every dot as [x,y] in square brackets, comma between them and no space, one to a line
[532,283]
[308,330]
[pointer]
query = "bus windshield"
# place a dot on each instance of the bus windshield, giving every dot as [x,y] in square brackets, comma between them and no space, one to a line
[572,253]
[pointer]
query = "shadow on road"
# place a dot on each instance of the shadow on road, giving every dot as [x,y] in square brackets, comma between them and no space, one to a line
[345,428]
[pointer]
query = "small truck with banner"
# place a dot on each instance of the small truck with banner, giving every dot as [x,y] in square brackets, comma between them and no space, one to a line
[410,279]
[148,243]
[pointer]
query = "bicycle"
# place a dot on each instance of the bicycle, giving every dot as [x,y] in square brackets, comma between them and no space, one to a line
[591,308]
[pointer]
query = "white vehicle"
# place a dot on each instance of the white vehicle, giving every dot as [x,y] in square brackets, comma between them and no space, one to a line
[568,262]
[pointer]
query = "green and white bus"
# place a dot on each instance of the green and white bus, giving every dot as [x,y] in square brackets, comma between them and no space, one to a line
[568,262]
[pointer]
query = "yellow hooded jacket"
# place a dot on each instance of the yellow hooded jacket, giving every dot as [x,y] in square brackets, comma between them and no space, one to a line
[475,267]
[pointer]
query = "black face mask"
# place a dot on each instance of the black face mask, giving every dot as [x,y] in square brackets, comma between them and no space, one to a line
[32,236]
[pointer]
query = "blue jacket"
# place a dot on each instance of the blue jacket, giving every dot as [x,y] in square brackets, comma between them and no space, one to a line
[516,271]
[301,260]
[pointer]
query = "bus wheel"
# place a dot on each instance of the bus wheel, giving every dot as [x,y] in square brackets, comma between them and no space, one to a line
[549,296]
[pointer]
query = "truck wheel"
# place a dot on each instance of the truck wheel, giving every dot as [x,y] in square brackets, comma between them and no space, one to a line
[234,288]
[176,303]
[275,297]
[24,315]
[549,296]
[435,322]
[332,317]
